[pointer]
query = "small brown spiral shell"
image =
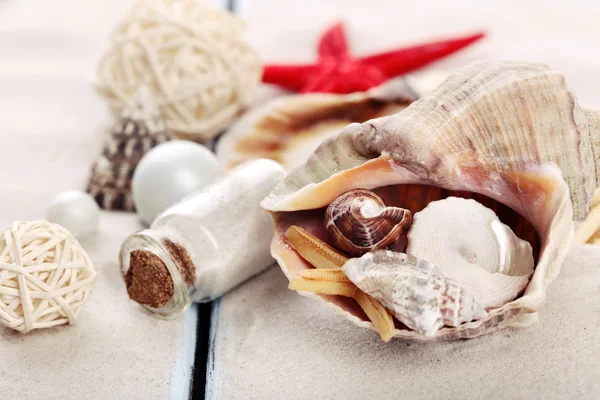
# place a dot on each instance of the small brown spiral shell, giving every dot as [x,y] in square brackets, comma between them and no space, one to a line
[359,221]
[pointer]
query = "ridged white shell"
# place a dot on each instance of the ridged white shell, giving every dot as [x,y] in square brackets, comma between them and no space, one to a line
[415,291]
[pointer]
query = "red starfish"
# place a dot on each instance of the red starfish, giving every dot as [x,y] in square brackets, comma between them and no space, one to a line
[336,71]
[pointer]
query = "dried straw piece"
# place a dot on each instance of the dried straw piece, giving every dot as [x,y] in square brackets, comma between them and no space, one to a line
[595,199]
[589,230]
[45,276]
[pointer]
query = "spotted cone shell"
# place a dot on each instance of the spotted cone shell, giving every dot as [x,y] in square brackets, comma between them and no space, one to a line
[513,132]
[139,129]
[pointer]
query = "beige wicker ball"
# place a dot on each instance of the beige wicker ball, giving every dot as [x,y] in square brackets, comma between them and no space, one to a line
[192,56]
[45,276]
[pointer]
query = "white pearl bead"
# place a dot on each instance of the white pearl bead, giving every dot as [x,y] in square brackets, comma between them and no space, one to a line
[168,173]
[75,210]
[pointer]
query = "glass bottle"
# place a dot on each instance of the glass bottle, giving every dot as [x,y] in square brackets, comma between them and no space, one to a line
[205,245]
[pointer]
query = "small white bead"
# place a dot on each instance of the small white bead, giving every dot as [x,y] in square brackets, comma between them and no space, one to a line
[168,173]
[76,211]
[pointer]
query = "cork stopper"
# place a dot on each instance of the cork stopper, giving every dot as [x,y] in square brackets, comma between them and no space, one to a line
[148,280]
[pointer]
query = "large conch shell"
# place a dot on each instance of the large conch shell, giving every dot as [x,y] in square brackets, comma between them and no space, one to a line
[500,132]
[288,129]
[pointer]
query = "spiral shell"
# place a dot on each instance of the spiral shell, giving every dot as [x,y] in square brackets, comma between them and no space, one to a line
[358,222]
[470,245]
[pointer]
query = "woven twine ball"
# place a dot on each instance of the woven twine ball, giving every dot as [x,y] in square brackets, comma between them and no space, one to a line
[191,55]
[45,276]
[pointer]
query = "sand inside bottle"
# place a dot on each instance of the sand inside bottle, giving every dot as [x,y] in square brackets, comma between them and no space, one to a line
[205,245]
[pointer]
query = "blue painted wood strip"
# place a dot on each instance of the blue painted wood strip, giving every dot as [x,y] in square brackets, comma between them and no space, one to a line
[213,374]
[181,375]
[240,7]
[214,379]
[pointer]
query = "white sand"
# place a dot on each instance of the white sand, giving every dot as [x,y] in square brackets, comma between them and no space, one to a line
[275,344]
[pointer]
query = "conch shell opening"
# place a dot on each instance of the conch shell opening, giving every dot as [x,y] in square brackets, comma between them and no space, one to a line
[510,135]
[323,254]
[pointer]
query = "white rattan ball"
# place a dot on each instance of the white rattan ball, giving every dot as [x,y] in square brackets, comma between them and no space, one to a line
[192,56]
[45,276]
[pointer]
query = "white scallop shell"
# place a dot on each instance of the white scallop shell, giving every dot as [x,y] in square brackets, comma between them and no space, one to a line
[470,245]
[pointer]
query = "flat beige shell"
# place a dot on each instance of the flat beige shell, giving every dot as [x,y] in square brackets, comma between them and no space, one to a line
[288,129]
[509,131]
